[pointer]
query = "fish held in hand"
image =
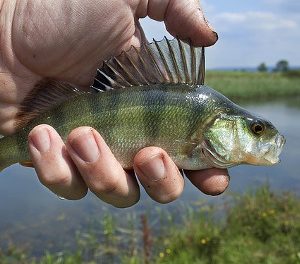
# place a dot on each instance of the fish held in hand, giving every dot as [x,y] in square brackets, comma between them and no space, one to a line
[150,96]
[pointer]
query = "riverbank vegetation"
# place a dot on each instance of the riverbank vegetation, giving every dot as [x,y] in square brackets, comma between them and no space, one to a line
[255,85]
[258,227]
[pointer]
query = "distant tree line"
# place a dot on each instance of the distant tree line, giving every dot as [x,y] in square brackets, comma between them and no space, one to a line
[281,66]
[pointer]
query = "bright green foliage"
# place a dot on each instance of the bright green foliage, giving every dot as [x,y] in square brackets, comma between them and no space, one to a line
[254,85]
[260,228]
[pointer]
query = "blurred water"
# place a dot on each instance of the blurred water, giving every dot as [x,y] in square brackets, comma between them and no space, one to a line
[35,218]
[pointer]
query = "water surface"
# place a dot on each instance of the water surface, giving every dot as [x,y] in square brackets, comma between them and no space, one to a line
[33,217]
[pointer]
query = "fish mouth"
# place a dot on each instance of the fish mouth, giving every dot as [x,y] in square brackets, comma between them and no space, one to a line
[269,156]
[272,154]
[213,158]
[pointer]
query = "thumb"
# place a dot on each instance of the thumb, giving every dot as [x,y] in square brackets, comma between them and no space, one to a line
[184,19]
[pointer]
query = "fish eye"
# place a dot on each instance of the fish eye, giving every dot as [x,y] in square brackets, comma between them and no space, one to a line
[257,127]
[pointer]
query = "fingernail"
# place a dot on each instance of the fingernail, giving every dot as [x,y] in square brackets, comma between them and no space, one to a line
[217,36]
[86,147]
[40,139]
[153,169]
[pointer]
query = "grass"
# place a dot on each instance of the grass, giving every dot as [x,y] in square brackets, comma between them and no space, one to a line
[259,227]
[255,85]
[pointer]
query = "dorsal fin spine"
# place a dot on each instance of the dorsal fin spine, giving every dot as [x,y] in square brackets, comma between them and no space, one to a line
[183,57]
[175,64]
[201,75]
[143,63]
[170,77]
[97,89]
[108,78]
[118,74]
[132,81]
[193,64]
[106,86]
[163,62]
[141,59]
[154,62]
[136,68]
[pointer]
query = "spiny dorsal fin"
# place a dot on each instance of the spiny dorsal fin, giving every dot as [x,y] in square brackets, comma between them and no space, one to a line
[46,94]
[166,61]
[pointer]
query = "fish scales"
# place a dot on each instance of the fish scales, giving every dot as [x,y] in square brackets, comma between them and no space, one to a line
[151,96]
[137,118]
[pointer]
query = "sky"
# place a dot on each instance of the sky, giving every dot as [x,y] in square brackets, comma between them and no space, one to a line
[250,32]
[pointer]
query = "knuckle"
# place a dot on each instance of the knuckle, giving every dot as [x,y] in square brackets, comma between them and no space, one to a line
[103,185]
[54,174]
[52,179]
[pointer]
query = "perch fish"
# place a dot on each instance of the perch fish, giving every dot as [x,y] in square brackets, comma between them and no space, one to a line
[151,96]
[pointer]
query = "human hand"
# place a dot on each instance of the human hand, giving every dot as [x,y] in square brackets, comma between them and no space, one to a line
[68,40]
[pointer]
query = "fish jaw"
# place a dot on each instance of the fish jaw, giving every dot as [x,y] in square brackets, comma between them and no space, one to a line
[267,154]
[272,155]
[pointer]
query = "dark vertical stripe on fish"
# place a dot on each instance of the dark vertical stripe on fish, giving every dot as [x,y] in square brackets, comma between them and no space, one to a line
[152,117]
[113,102]
[57,119]
[197,118]
[21,140]
[94,108]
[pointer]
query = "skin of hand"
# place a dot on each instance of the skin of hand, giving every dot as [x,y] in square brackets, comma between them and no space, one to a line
[68,40]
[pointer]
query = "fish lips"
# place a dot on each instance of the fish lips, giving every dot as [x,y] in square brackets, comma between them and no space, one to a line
[269,154]
[272,155]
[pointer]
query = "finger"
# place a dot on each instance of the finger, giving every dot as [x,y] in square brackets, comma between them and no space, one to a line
[99,168]
[210,181]
[137,39]
[184,19]
[53,165]
[158,174]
